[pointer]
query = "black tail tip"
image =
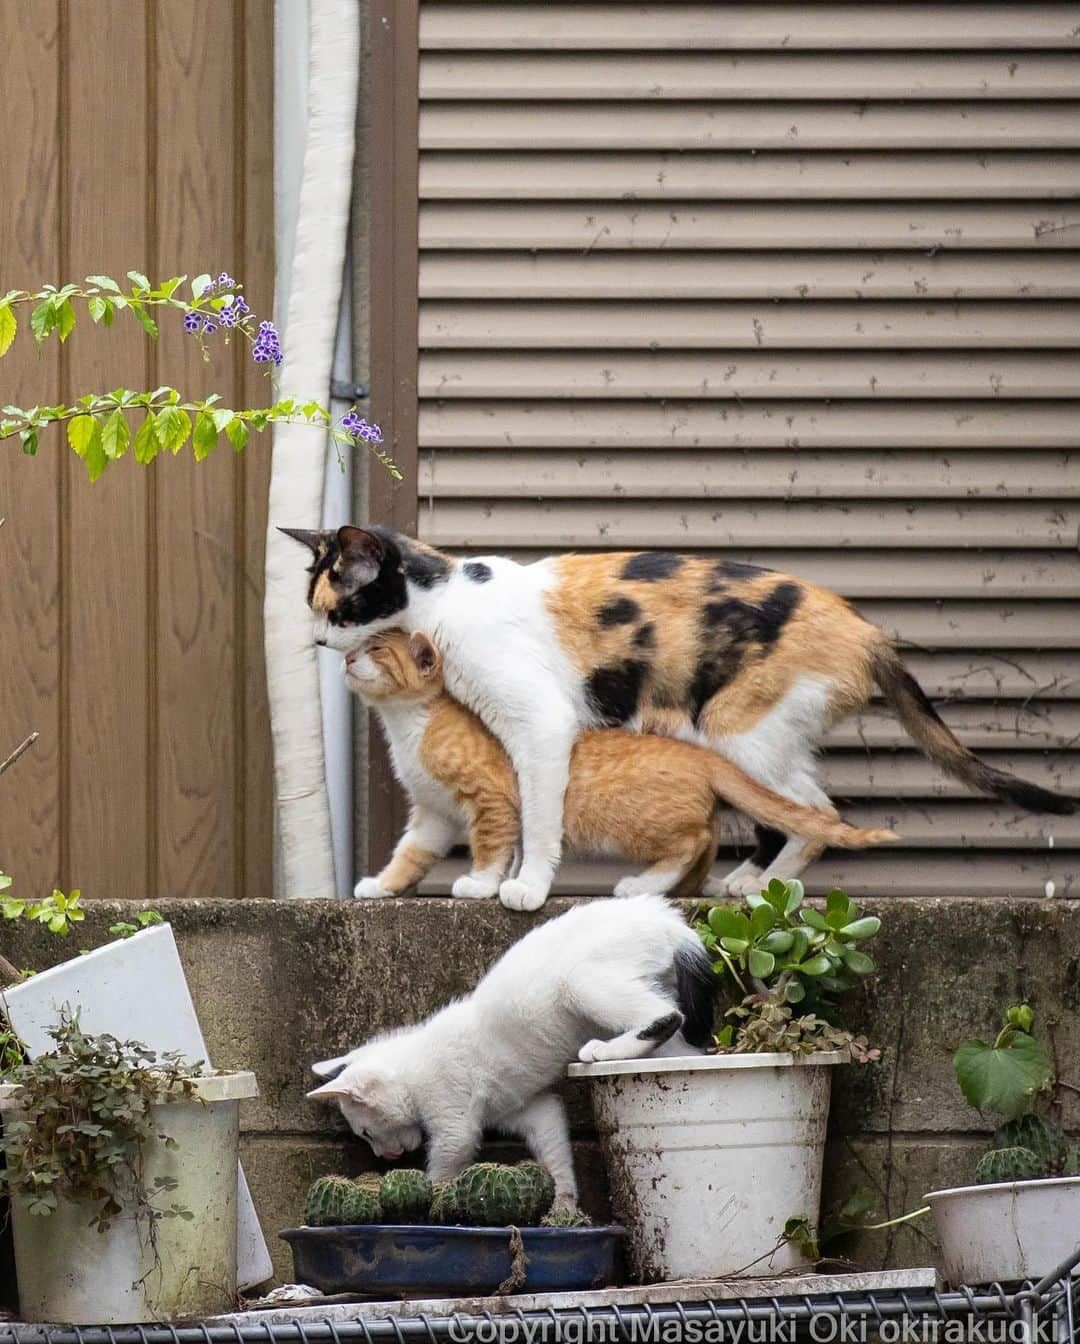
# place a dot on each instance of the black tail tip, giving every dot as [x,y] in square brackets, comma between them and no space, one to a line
[695,982]
[1032,798]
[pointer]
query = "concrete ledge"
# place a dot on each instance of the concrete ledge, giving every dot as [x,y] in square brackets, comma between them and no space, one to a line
[280,984]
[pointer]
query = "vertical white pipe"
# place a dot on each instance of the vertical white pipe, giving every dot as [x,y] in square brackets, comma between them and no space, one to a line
[298,472]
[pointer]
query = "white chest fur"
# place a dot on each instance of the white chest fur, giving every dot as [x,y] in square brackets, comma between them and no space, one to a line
[404,726]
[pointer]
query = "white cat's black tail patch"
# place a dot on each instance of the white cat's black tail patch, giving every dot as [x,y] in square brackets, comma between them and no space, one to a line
[695,992]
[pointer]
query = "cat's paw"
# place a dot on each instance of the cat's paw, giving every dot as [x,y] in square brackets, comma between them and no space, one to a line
[640,884]
[368,889]
[517,894]
[470,888]
[749,884]
[592,1052]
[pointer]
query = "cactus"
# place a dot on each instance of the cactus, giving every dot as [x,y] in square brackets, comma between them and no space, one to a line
[564,1216]
[543,1188]
[1009,1164]
[444,1203]
[491,1195]
[405,1196]
[1038,1135]
[334,1201]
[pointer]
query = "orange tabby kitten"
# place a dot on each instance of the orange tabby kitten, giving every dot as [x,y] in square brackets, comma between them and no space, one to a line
[650,799]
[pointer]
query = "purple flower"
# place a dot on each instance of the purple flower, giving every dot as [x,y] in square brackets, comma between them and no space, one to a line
[192,321]
[209,326]
[359,428]
[267,346]
[225,281]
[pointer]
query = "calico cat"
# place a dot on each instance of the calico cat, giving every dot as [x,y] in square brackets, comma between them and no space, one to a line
[754,664]
[596,983]
[646,798]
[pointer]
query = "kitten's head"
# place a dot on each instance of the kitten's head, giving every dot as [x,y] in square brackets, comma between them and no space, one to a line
[395,666]
[358,579]
[374,1101]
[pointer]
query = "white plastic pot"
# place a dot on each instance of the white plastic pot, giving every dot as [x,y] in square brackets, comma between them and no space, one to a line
[1007,1231]
[68,1271]
[708,1156]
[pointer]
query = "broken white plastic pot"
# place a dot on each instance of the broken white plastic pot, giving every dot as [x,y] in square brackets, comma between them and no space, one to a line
[1007,1231]
[708,1156]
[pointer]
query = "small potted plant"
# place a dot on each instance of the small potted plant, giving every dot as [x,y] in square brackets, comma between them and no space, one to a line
[490,1230]
[1022,1216]
[710,1156]
[121,1171]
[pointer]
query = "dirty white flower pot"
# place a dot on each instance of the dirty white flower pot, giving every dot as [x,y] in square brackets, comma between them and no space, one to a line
[1007,1231]
[709,1155]
[68,1271]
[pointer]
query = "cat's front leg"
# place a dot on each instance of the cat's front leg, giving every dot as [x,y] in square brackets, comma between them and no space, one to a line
[542,1124]
[451,1148]
[539,747]
[428,838]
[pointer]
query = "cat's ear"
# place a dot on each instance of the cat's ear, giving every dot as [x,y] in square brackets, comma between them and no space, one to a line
[424,654]
[331,1091]
[314,541]
[361,553]
[330,1068]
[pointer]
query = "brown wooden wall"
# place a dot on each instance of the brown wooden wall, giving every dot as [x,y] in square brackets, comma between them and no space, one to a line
[138,134]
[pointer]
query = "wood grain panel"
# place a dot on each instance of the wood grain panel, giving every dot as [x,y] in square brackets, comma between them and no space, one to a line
[197,540]
[31,541]
[109,799]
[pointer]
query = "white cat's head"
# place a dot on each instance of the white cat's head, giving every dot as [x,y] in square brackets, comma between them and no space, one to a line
[374,1101]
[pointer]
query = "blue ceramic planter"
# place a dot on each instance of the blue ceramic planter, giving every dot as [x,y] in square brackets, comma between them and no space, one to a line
[394,1261]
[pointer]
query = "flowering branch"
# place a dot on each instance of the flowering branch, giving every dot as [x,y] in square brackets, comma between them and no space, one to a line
[101,426]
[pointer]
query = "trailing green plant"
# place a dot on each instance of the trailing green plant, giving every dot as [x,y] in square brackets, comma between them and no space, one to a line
[1012,1075]
[764,1023]
[57,912]
[101,426]
[84,1121]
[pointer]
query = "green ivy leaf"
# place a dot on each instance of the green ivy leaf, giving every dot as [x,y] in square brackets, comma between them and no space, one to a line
[1001,1077]
[115,435]
[205,436]
[8,327]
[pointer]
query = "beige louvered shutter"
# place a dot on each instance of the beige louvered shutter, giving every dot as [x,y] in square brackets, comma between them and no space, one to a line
[795,284]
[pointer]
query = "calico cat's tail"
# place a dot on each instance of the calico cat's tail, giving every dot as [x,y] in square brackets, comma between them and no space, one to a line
[736,787]
[935,738]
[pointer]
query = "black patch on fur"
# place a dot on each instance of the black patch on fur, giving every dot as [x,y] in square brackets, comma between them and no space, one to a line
[737,569]
[423,567]
[651,566]
[695,992]
[613,691]
[386,594]
[662,1029]
[734,629]
[769,844]
[477,571]
[645,637]
[618,611]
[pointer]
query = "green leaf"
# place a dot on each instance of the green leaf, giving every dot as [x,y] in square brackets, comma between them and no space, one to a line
[794,992]
[139,279]
[1021,1017]
[814,966]
[815,920]
[237,433]
[205,436]
[736,946]
[96,307]
[761,963]
[65,320]
[103,282]
[836,900]
[222,419]
[858,963]
[144,320]
[728,922]
[762,920]
[780,941]
[42,320]
[1001,1078]
[173,428]
[94,457]
[8,327]
[200,285]
[147,441]
[80,431]
[29,439]
[115,435]
[862,928]
[795,896]
[800,945]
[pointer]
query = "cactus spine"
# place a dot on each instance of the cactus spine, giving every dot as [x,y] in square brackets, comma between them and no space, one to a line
[543,1188]
[335,1201]
[1038,1135]
[566,1217]
[490,1195]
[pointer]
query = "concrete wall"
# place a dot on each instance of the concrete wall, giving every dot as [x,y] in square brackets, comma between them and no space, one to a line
[278,985]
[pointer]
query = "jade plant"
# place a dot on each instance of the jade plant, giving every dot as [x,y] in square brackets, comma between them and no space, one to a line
[83,1123]
[789,962]
[487,1194]
[1012,1076]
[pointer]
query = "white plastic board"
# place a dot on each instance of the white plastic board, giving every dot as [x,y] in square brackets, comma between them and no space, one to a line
[133,989]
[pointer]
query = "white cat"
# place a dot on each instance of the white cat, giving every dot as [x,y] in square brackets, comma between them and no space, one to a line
[607,980]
